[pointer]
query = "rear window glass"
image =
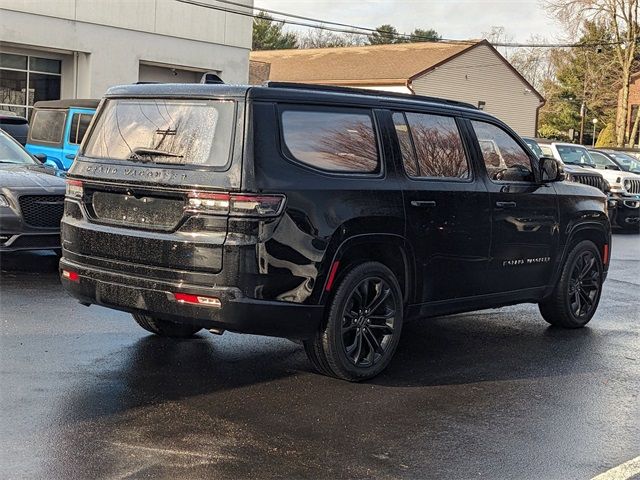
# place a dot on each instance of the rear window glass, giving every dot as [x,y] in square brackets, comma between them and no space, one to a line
[47,126]
[337,141]
[574,155]
[180,132]
[79,124]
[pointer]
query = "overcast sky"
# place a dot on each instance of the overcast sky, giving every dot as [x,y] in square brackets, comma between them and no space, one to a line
[457,19]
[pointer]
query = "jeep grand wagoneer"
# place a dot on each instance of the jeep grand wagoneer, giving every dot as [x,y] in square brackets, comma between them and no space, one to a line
[324,214]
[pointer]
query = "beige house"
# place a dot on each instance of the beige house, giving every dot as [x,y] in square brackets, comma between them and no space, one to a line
[472,72]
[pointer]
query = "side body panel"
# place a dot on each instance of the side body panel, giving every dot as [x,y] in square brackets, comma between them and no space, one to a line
[323,211]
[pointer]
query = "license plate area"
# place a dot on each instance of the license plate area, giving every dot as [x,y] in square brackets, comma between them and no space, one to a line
[137,210]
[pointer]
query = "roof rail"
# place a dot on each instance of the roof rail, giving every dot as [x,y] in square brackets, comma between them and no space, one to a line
[363,91]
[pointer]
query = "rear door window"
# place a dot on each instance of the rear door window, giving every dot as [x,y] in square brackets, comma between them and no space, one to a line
[164,131]
[79,124]
[431,146]
[47,126]
[341,140]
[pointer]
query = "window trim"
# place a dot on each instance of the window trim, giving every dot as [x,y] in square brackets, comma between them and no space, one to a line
[281,108]
[525,148]
[457,119]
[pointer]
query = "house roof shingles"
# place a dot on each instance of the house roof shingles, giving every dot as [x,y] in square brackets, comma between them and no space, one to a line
[353,65]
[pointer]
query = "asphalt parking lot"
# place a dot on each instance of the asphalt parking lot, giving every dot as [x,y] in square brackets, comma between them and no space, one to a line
[86,393]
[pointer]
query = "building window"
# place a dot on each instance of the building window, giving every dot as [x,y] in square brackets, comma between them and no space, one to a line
[25,80]
[481,104]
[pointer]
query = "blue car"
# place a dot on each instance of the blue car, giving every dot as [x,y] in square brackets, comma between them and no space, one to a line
[57,129]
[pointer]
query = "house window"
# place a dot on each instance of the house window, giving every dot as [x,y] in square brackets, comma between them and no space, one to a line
[481,104]
[25,80]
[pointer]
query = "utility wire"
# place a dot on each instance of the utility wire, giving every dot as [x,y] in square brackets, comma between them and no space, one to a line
[358,30]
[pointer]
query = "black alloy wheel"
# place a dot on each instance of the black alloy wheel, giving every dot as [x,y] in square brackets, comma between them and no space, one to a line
[584,285]
[363,324]
[575,297]
[368,322]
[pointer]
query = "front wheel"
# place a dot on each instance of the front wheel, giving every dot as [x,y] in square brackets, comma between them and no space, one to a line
[576,296]
[165,328]
[363,325]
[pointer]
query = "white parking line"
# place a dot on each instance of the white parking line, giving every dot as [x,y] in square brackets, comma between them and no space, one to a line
[626,471]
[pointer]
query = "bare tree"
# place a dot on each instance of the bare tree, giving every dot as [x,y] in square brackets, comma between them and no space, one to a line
[318,38]
[534,64]
[498,34]
[622,18]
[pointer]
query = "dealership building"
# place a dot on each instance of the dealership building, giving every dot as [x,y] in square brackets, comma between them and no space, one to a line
[60,49]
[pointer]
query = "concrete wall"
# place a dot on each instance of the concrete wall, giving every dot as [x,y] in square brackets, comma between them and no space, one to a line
[480,75]
[102,43]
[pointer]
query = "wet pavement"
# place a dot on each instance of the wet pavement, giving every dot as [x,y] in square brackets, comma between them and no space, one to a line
[86,393]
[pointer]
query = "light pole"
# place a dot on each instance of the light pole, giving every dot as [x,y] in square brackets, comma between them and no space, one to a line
[593,140]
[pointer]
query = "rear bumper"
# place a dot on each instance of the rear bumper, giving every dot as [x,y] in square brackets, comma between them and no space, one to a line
[15,242]
[237,313]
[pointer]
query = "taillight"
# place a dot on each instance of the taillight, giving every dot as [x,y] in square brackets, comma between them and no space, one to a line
[71,276]
[74,188]
[237,204]
[197,300]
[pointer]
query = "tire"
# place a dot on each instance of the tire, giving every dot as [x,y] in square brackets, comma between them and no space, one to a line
[165,328]
[363,325]
[575,298]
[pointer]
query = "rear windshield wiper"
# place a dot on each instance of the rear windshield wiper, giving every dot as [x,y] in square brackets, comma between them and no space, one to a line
[140,153]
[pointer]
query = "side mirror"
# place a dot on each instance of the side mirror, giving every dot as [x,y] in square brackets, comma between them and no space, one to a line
[550,170]
[41,157]
[611,167]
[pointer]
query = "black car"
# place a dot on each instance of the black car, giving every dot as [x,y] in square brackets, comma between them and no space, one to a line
[31,200]
[329,215]
[14,125]
[621,171]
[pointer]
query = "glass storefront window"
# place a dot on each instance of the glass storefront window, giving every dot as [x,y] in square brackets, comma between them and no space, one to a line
[8,60]
[25,80]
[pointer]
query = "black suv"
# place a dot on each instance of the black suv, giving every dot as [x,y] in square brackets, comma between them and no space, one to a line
[324,214]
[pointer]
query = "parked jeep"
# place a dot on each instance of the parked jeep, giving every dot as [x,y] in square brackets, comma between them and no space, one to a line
[625,185]
[578,165]
[57,129]
[325,214]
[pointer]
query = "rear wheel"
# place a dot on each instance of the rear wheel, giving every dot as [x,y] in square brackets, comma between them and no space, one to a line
[164,328]
[577,294]
[363,325]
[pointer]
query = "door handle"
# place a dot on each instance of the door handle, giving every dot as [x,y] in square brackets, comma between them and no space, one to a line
[506,204]
[423,203]
[70,156]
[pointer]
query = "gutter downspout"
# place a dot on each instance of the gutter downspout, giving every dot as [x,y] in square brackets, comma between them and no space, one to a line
[409,86]
[535,130]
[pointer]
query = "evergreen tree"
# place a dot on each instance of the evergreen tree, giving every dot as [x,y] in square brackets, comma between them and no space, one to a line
[268,34]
